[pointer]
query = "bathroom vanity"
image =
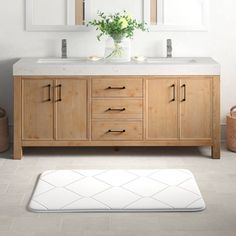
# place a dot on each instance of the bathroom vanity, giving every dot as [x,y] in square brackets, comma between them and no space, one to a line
[75,102]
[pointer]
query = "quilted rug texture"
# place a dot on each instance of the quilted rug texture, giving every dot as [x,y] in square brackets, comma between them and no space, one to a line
[116,190]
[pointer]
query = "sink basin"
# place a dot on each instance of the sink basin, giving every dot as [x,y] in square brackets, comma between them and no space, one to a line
[60,60]
[173,60]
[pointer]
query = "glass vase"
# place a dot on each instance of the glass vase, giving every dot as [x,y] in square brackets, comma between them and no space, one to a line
[117,50]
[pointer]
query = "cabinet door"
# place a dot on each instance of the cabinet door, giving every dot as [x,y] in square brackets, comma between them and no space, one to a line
[161,109]
[71,109]
[196,108]
[37,114]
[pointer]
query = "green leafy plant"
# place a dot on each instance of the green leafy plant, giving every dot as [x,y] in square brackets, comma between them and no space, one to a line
[117,26]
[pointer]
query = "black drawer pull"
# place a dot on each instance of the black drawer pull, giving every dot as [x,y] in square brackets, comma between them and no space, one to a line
[49,93]
[60,93]
[116,87]
[114,109]
[116,131]
[185,92]
[173,99]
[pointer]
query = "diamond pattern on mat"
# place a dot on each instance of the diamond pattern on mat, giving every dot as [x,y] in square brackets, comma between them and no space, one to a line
[111,190]
[116,177]
[47,172]
[89,173]
[87,204]
[88,187]
[176,197]
[117,197]
[44,187]
[197,204]
[143,172]
[56,198]
[38,206]
[145,187]
[147,204]
[190,185]
[61,178]
[171,177]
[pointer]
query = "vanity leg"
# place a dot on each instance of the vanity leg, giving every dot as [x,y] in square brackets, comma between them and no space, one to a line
[215,151]
[17,152]
[216,132]
[17,149]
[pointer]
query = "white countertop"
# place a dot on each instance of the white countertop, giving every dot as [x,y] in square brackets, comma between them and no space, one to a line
[195,66]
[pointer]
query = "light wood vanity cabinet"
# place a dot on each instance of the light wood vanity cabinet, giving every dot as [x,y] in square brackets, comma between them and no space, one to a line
[195,108]
[117,111]
[71,109]
[162,109]
[179,109]
[54,109]
[37,109]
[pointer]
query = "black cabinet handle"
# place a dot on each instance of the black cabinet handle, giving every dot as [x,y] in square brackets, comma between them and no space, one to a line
[60,93]
[114,109]
[174,95]
[116,131]
[110,87]
[185,92]
[49,93]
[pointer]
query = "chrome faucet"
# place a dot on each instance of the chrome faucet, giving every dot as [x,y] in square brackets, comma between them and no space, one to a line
[169,48]
[64,48]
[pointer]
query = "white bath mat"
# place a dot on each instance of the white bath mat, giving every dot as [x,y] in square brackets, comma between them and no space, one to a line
[116,190]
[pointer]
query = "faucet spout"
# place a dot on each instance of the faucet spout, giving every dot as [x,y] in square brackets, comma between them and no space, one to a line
[64,48]
[169,48]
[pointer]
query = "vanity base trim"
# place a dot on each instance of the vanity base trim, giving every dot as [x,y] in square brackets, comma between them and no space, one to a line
[114,143]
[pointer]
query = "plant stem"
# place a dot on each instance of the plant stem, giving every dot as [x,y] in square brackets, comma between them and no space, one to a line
[117,49]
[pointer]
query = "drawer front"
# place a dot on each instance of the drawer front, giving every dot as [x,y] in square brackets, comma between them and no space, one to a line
[117,108]
[110,130]
[117,87]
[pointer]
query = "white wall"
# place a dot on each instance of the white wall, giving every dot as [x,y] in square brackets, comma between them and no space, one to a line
[43,15]
[219,42]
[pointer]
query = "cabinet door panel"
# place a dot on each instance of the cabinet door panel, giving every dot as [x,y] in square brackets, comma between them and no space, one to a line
[161,109]
[37,115]
[71,111]
[196,110]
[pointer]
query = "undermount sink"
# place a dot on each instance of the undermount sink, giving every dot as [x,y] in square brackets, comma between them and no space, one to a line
[173,60]
[60,60]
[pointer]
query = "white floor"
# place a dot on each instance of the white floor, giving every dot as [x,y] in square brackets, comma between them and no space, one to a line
[216,179]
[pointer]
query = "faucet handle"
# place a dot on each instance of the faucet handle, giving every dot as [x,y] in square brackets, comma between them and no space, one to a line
[64,48]
[169,48]
[169,42]
[64,41]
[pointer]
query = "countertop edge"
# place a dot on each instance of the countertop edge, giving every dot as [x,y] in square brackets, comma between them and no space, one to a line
[29,67]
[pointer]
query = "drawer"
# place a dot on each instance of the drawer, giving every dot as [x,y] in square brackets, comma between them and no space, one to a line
[117,87]
[111,130]
[117,108]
